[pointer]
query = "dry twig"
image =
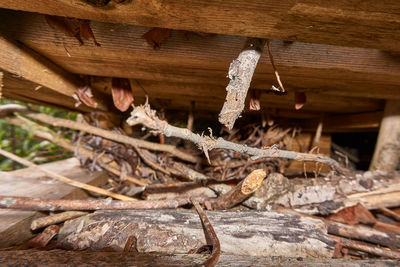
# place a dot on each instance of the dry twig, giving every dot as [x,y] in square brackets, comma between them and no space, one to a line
[25,203]
[55,218]
[63,178]
[146,116]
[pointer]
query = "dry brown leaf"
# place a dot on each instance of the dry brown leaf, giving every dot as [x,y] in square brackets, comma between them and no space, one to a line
[255,100]
[353,215]
[121,93]
[86,31]
[84,94]
[156,36]
[299,100]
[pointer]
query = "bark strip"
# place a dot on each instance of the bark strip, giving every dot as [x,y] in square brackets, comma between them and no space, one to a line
[240,74]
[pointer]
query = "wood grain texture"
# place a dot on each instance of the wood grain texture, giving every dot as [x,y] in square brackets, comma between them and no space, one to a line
[178,231]
[350,23]
[124,53]
[14,224]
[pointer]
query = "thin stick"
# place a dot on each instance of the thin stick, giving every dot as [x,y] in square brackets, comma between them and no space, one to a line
[55,218]
[146,116]
[64,179]
[58,122]
[241,191]
[211,236]
[366,248]
[281,88]
[46,133]
[25,203]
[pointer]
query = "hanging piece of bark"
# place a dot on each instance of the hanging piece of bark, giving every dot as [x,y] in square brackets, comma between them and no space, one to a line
[121,93]
[146,116]
[240,74]
[179,231]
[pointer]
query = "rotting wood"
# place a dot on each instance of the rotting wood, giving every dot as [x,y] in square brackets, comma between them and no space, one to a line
[327,195]
[15,224]
[146,116]
[241,191]
[64,179]
[43,238]
[387,150]
[240,74]
[25,203]
[178,231]
[339,23]
[58,257]
[55,218]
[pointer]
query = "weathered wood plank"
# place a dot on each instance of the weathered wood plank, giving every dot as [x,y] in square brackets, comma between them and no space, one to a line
[369,24]
[104,258]
[124,53]
[15,224]
[178,231]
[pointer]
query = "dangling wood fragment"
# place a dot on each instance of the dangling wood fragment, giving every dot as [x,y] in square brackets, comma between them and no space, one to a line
[240,74]
[121,93]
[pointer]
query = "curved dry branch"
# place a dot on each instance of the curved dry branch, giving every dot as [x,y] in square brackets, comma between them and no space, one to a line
[146,116]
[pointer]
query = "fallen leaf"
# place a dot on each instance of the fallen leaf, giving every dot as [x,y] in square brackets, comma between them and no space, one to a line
[255,100]
[353,215]
[86,31]
[299,99]
[156,36]
[121,93]
[84,94]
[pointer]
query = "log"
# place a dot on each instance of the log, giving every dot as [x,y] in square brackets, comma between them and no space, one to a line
[58,257]
[387,150]
[179,231]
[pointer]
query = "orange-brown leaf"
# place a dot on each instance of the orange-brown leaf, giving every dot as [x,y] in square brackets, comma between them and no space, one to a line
[84,94]
[156,36]
[353,215]
[121,93]
[299,100]
[255,100]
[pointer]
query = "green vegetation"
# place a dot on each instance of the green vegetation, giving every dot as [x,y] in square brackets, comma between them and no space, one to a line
[18,141]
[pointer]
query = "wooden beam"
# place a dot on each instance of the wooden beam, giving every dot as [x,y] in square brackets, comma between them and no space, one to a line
[314,68]
[387,150]
[24,63]
[372,24]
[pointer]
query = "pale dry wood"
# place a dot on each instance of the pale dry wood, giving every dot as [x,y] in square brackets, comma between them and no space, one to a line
[387,149]
[55,218]
[64,179]
[244,189]
[178,231]
[15,224]
[342,23]
[240,74]
[146,116]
